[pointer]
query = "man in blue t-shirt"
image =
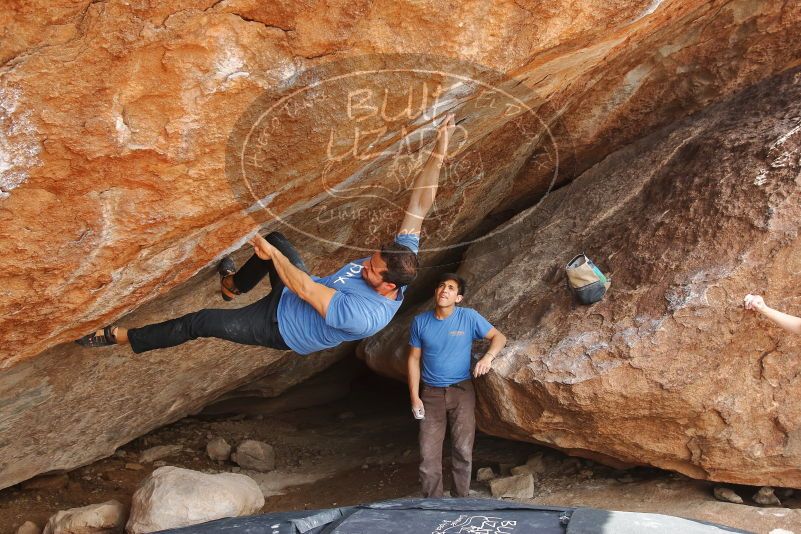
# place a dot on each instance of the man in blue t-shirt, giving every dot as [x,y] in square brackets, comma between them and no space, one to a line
[442,340]
[304,313]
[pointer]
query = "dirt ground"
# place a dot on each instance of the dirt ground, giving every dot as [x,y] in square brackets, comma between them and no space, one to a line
[363,448]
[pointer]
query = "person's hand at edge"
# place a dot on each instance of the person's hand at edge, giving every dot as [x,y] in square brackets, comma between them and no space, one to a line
[754,302]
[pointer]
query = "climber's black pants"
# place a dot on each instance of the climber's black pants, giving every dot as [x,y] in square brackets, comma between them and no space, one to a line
[256,324]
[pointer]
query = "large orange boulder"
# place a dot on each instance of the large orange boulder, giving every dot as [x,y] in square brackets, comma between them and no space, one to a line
[141,141]
[116,118]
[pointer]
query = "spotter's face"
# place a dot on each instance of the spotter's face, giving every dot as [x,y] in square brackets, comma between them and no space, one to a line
[447,294]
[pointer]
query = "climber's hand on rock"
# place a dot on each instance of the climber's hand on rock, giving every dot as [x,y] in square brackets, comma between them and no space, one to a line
[444,134]
[261,247]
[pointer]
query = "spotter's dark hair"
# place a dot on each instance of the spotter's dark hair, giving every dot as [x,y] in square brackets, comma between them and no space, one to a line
[460,283]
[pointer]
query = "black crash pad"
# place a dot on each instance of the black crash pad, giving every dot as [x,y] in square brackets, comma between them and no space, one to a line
[455,516]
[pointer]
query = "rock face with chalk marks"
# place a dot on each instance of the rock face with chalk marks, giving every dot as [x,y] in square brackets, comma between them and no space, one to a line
[669,369]
[134,154]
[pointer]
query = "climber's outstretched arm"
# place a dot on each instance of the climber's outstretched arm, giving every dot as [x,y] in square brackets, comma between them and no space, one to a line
[424,188]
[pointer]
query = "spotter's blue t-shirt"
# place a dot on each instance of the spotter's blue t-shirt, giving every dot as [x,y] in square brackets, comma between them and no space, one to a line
[356,311]
[446,344]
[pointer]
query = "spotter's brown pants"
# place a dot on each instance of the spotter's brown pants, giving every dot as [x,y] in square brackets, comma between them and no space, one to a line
[454,405]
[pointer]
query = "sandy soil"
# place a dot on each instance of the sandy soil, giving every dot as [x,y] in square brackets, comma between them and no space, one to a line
[363,448]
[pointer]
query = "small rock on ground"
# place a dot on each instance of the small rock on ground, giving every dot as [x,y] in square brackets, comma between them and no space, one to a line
[521,470]
[255,455]
[536,463]
[726,495]
[514,487]
[29,527]
[484,474]
[106,517]
[218,450]
[766,497]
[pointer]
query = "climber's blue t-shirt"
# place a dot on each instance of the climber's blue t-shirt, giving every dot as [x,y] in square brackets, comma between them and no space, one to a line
[356,311]
[446,344]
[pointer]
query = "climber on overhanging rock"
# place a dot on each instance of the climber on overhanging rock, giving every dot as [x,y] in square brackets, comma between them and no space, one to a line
[302,312]
[791,323]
